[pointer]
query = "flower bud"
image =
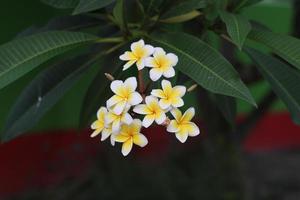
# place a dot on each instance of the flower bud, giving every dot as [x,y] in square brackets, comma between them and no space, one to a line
[192,88]
[109,76]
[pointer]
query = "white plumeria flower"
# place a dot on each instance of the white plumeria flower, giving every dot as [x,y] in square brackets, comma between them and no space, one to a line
[117,120]
[99,124]
[162,64]
[139,52]
[152,110]
[107,131]
[170,96]
[125,95]
[182,125]
[129,135]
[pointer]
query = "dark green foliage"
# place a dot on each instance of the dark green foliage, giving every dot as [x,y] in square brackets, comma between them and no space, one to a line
[114,23]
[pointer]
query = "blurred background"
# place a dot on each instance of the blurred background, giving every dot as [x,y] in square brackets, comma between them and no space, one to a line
[258,159]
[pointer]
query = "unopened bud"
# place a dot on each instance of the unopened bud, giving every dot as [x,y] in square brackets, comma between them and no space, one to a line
[109,76]
[166,122]
[192,88]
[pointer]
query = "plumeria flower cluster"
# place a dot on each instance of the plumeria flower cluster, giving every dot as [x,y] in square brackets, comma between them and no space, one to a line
[115,120]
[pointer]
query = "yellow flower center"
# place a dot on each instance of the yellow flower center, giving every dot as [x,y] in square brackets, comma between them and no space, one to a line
[139,53]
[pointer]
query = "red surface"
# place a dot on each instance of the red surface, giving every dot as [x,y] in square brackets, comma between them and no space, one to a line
[32,160]
[273,132]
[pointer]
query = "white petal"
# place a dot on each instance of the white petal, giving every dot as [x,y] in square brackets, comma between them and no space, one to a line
[96,132]
[113,101]
[135,98]
[101,111]
[116,85]
[141,109]
[131,83]
[179,91]
[173,58]
[173,127]
[169,73]
[105,134]
[137,44]
[188,115]
[149,50]
[112,141]
[136,125]
[140,64]
[128,64]
[166,85]
[158,93]
[182,136]
[140,140]
[177,102]
[126,56]
[164,104]
[176,114]
[148,120]
[158,51]
[194,130]
[150,62]
[127,119]
[116,125]
[151,99]
[110,117]
[119,107]
[155,74]
[127,146]
[161,118]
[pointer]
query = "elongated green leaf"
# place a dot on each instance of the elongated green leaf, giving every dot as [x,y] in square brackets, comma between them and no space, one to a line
[182,18]
[63,4]
[24,54]
[283,79]
[204,65]
[284,46]
[237,26]
[45,90]
[184,8]
[118,13]
[91,5]
[244,3]
[63,23]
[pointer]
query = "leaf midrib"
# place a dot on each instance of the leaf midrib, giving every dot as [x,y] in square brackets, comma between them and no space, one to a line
[40,54]
[31,107]
[292,99]
[207,68]
[237,30]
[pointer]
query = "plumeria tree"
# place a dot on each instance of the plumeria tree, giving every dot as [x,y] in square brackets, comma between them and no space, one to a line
[143,57]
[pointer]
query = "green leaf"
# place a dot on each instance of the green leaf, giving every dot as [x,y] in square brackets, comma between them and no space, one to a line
[284,46]
[20,56]
[152,7]
[182,18]
[237,26]
[118,13]
[91,5]
[63,23]
[227,106]
[204,65]
[245,3]
[45,90]
[183,8]
[63,4]
[97,94]
[283,79]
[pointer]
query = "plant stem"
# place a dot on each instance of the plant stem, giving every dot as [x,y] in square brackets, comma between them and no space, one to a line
[110,40]
[141,84]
